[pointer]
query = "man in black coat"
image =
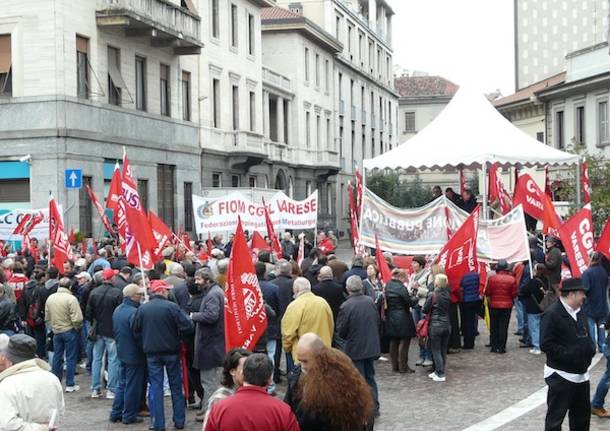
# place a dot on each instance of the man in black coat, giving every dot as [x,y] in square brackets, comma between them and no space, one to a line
[284,282]
[569,350]
[356,269]
[330,290]
[358,326]
[270,295]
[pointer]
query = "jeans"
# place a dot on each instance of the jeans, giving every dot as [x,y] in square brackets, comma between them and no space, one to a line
[533,327]
[210,382]
[289,362]
[156,365]
[126,403]
[521,316]
[366,367]
[108,345]
[594,328]
[271,345]
[66,342]
[439,342]
[603,385]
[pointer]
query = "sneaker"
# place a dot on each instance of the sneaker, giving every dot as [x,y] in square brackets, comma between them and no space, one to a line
[109,395]
[419,362]
[427,363]
[83,365]
[535,351]
[72,388]
[438,378]
[432,374]
[383,359]
[96,393]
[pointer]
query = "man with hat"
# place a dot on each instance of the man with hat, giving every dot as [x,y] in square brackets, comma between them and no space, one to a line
[159,325]
[29,394]
[564,337]
[130,354]
[102,302]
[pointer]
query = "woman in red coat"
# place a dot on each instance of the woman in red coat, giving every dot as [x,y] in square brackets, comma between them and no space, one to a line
[501,291]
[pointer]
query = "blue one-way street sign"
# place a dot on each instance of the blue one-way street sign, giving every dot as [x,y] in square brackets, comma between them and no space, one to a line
[74,178]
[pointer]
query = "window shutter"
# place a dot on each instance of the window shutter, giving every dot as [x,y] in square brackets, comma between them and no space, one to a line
[82,44]
[5,53]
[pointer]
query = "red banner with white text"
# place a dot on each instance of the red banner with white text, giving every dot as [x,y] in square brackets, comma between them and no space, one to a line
[577,238]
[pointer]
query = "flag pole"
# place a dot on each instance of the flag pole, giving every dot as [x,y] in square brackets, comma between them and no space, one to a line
[142,271]
[578,180]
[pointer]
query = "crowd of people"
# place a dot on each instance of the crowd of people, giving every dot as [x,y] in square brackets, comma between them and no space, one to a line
[144,336]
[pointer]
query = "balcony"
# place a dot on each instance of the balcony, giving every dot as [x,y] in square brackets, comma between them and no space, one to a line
[166,24]
[327,164]
[245,149]
[341,107]
[277,80]
[353,113]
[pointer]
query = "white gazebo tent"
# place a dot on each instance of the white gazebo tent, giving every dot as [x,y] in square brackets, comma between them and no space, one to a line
[471,133]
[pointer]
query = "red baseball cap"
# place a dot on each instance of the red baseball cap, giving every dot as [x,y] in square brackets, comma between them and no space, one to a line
[157,286]
[108,273]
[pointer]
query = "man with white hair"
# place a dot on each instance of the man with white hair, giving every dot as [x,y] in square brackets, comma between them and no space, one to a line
[358,325]
[307,313]
[100,261]
[329,289]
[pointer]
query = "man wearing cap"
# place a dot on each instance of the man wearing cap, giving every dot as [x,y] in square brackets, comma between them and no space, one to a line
[29,393]
[168,255]
[130,354]
[564,337]
[159,325]
[103,300]
[64,316]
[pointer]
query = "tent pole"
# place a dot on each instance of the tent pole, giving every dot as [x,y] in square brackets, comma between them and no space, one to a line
[485,191]
[577,185]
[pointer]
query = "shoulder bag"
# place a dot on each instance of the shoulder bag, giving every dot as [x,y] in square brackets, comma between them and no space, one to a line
[422,327]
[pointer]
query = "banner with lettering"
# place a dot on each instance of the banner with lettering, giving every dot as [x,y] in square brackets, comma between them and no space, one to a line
[528,194]
[577,238]
[10,219]
[220,214]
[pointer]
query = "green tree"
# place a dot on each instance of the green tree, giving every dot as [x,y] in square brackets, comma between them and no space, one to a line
[401,193]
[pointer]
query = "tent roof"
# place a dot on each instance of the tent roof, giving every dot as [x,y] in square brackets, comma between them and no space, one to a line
[467,133]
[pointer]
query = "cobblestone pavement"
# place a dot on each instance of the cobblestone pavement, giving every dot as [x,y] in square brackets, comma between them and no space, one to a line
[479,385]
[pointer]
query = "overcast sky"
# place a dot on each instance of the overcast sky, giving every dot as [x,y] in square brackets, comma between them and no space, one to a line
[469,42]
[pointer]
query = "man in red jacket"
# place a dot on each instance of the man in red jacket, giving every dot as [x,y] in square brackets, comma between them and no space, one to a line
[263,411]
[501,292]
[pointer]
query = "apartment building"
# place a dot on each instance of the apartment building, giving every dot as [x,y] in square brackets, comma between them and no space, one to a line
[80,82]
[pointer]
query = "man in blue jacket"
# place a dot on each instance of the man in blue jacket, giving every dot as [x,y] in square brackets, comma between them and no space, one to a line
[595,279]
[130,354]
[160,324]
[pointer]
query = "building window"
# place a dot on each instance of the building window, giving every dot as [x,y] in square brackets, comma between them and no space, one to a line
[329,199]
[85,213]
[234,26]
[540,136]
[115,80]
[216,103]
[338,28]
[409,122]
[318,133]
[307,188]
[326,76]
[216,179]
[307,129]
[235,92]
[602,123]
[251,34]
[252,182]
[379,62]
[143,193]
[349,40]
[141,83]
[6,79]
[186,96]
[307,64]
[164,86]
[252,111]
[82,67]
[340,87]
[580,125]
[166,186]
[234,180]
[329,143]
[317,71]
[361,48]
[188,207]
[371,55]
[215,19]
[559,130]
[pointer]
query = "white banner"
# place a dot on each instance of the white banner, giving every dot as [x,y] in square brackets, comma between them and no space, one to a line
[9,219]
[220,214]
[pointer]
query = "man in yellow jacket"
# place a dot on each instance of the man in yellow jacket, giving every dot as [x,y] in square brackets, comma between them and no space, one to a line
[307,313]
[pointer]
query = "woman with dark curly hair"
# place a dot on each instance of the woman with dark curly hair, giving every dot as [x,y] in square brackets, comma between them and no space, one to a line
[232,378]
[333,396]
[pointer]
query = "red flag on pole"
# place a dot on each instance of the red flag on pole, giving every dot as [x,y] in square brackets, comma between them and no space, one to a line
[528,194]
[459,255]
[497,190]
[586,184]
[358,197]
[161,233]
[72,236]
[603,245]
[258,242]
[385,274]
[114,193]
[550,220]
[60,246]
[275,243]
[22,224]
[244,314]
[100,209]
[353,218]
[577,238]
[301,252]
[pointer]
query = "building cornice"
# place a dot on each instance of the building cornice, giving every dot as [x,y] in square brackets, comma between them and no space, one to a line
[418,100]
[372,33]
[305,27]
[366,76]
[569,88]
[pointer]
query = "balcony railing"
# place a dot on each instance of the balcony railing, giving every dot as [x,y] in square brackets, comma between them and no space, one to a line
[166,23]
[277,79]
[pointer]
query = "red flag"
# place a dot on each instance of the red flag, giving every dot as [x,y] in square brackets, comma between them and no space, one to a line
[60,247]
[34,221]
[385,274]
[353,218]
[301,253]
[275,243]
[603,245]
[100,209]
[577,238]
[21,226]
[547,183]
[497,190]
[72,236]
[161,233]
[550,220]
[209,243]
[459,255]
[528,194]
[245,316]
[358,197]
[258,242]
[114,193]
[186,240]
[586,184]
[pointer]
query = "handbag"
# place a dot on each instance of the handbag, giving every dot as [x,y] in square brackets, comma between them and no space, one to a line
[548,299]
[423,326]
